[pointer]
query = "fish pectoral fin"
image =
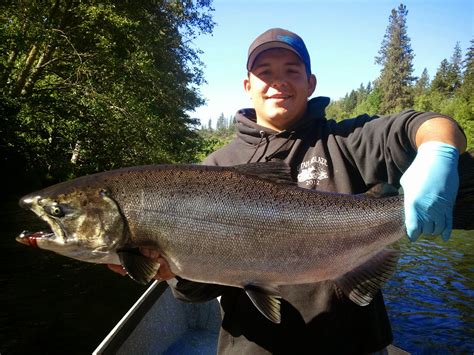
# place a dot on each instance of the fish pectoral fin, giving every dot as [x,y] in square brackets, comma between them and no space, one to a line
[267,301]
[361,284]
[140,268]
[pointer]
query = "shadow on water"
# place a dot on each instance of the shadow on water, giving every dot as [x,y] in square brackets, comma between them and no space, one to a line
[55,305]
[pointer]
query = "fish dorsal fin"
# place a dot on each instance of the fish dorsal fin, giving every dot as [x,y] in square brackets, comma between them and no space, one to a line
[381,190]
[275,171]
[267,301]
[140,268]
[361,284]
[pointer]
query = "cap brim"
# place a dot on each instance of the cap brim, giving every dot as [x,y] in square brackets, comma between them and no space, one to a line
[266,46]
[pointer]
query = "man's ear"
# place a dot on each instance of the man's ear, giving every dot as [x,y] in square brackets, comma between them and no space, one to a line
[312,84]
[247,84]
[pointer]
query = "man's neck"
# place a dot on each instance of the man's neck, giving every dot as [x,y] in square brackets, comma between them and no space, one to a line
[281,126]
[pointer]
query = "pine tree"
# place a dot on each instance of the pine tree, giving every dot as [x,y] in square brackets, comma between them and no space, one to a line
[396,56]
[464,97]
[455,70]
[467,89]
[423,83]
[350,102]
[369,88]
[448,78]
[221,123]
[361,93]
[440,82]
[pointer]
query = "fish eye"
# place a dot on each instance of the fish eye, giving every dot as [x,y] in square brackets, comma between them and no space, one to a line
[54,210]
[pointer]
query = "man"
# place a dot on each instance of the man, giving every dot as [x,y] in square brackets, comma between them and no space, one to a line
[419,149]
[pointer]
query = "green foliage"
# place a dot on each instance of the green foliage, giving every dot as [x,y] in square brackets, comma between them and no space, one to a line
[467,88]
[451,92]
[442,81]
[371,105]
[422,84]
[369,101]
[213,139]
[455,74]
[396,56]
[89,86]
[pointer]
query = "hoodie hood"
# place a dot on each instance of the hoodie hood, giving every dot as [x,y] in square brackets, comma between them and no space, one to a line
[252,133]
[264,144]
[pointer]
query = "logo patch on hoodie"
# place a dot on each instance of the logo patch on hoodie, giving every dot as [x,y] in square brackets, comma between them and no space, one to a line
[312,171]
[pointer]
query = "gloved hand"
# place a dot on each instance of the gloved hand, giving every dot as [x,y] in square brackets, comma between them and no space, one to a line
[430,187]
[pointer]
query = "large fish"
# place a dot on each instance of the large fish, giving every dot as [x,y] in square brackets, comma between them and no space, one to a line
[246,226]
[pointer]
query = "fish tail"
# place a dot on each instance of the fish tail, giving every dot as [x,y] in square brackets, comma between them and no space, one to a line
[463,209]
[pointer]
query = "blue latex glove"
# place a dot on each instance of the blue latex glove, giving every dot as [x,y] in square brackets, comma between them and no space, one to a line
[430,187]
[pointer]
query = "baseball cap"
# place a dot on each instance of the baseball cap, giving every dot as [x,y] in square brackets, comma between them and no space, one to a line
[279,38]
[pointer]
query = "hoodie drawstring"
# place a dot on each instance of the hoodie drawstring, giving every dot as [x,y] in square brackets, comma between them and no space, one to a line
[276,151]
[266,147]
[272,155]
[262,135]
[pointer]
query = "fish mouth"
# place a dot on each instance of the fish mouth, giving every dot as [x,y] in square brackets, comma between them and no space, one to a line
[31,238]
[35,239]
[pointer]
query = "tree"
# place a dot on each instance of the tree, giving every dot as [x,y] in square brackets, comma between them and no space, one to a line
[371,104]
[215,139]
[466,94]
[448,77]
[421,100]
[395,57]
[100,84]
[459,104]
[422,84]
[440,81]
[468,74]
[221,123]
[455,70]
[350,101]
[362,93]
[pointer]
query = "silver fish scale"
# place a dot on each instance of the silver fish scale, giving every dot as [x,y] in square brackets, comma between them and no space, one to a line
[207,222]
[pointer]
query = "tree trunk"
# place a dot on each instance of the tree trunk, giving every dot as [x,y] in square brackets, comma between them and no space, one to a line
[37,70]
[20,83]
[30,75]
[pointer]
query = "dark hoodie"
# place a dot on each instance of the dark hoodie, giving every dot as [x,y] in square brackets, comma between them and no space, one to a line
[347,157]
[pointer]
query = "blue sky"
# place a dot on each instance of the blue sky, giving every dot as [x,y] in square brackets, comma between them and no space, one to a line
[342,37]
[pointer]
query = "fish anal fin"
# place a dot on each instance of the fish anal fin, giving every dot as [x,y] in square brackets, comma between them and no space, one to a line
[361,284]
[140,268]
[267,301]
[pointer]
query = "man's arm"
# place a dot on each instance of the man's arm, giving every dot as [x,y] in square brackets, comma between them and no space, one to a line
[441,129]
[431,182]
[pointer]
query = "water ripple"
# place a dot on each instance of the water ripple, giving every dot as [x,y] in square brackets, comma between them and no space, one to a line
[430,299]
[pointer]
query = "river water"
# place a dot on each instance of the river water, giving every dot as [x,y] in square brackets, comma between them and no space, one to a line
[55,305]
[431,298]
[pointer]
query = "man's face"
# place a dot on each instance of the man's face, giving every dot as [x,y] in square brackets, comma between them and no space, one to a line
[279,88]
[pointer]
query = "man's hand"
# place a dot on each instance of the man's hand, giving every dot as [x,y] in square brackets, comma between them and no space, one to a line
[163,274]
[430,187]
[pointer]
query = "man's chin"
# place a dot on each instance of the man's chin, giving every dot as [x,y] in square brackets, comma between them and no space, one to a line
[278,114]
[279,121]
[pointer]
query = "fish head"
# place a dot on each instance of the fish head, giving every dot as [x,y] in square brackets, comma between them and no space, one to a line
[86,223]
